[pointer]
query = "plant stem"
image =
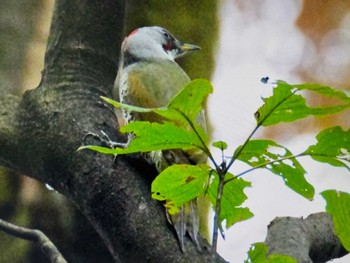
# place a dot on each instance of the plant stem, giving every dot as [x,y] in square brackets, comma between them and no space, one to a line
[217,212]
[204,145]
[264,164]
[259,124]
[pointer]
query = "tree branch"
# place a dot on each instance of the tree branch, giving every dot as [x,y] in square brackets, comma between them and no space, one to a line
[307,240]
[8,139]
[36,236]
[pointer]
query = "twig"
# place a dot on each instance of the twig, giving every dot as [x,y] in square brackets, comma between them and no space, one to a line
[259,124]
[36,236]
[263,165]
[217,213]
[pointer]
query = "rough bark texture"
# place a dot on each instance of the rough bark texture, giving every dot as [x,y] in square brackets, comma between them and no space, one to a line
[307,240]
[40,133]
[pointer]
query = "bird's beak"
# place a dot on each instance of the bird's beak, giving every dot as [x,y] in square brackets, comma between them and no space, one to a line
[188,47]
[183,49]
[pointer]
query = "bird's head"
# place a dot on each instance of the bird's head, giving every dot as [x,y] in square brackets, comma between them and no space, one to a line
[151,43]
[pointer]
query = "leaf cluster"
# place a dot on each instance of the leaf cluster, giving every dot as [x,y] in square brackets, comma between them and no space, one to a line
[181,183]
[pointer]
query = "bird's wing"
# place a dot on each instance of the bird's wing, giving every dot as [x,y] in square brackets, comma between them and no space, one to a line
[154,84]
[151,85]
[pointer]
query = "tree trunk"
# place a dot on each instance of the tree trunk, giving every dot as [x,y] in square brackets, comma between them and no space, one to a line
[40,134]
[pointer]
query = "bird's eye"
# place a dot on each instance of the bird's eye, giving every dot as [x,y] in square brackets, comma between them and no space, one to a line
[169,45]
[166,34]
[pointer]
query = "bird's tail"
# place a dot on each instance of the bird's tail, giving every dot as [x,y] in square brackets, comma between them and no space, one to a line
[186,221]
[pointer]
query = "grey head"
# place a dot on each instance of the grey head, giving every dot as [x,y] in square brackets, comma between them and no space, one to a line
[153,43]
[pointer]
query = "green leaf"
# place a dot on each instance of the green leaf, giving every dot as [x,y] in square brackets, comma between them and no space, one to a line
[179,184]
[279,160]
[332,147]
[258,254]
[100,149]
[220,145]
[286,106]
[185,106]
[338,205]
[272,111]
[156,136]
[342,98]
[232,198]
[119,105]
[324,90]
[188,102]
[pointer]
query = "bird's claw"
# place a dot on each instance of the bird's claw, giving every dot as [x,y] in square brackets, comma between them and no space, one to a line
[105,140]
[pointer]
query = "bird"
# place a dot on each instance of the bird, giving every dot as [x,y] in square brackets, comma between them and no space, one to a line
[149,77]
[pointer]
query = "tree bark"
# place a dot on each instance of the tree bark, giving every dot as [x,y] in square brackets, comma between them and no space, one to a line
[41,131]
[308,240]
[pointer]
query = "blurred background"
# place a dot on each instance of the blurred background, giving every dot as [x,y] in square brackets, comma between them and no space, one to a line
[242,41]
[292,40]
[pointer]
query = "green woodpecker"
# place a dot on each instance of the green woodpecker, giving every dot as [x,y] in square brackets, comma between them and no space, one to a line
[149,77]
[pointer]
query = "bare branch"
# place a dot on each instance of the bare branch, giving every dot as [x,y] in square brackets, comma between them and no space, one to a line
[36,236]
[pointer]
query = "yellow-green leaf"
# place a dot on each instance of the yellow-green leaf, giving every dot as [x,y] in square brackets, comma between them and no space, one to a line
[258,254]
[278,159]
[338,205]
[332,147]
[179,184]
[287,106]
[232,198]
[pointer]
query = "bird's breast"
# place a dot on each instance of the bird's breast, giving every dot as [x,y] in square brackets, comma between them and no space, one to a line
[151,84]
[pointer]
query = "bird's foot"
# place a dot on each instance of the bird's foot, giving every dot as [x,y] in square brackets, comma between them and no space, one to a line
[105,140]
[112,144]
